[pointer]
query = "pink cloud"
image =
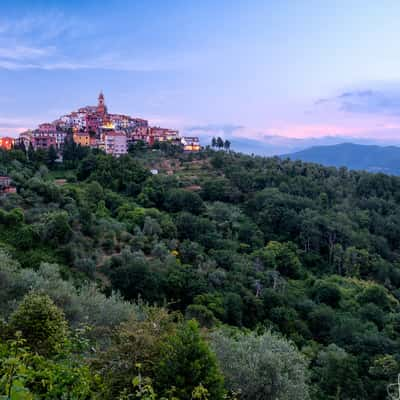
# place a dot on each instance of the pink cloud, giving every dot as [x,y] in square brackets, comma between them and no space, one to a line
[14,126]
[382,127]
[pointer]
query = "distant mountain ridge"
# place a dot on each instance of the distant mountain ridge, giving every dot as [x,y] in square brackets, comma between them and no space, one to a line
[372,158]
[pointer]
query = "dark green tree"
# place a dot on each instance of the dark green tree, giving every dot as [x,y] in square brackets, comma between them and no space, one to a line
[220,143]
[187,362]
[227,145]
[51,157]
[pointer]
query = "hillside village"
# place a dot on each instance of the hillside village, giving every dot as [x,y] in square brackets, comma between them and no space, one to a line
[95,127]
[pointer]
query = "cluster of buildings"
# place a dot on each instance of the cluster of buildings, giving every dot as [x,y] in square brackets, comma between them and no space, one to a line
[95,127]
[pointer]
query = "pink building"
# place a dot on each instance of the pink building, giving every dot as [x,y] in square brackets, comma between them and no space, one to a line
[49,130]
[139,133]
[47,127]
[93,122]
[157,134]
[43,141]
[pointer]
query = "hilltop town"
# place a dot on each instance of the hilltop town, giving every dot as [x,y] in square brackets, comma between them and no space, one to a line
[95,127]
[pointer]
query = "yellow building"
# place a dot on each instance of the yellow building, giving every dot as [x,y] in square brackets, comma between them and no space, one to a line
[82,138]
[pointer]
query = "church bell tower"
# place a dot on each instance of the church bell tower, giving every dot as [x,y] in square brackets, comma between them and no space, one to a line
[101,107]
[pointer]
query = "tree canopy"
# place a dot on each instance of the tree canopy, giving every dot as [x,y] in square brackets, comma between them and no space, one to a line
[290,269]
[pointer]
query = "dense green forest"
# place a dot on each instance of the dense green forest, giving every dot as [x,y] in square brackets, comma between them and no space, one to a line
[222,276]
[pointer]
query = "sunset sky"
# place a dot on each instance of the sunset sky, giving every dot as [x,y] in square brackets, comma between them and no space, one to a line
[270,71]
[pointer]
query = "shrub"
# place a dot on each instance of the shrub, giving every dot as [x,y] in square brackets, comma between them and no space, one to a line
[41,323]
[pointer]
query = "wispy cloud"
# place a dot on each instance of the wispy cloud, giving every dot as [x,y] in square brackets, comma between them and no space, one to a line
[62,63]
[166,121]
[23,57]
[14,126]
[34,64]
[291,131]
[52,41]
[46,26]
[215,129]
[10,122]
[24,52]
[33,42]
[366,101]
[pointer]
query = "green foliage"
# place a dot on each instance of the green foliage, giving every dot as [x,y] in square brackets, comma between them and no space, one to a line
[57,228]
[262,366]
[337,374]
[137,341]
[13,359]
[28,376]
[326,292]
[259,243]
[282,257]
[185,363]
[202,314]
[41,323]
[85,304]
[12,218]
[183,200]
[377,295]
[51,157]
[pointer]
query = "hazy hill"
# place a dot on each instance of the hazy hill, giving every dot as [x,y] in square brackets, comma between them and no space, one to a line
[354,156]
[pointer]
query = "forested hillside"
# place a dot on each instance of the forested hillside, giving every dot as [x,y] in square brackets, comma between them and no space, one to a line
[220,276]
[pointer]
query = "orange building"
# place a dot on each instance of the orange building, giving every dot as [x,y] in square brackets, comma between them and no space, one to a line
[82,138]
[6,143]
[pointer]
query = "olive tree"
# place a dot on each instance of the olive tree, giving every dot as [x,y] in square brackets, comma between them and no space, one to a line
[261,367]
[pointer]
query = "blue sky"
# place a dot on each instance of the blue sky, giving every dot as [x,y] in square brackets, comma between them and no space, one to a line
[271,71]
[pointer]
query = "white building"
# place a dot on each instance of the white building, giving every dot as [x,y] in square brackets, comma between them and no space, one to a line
[115,143]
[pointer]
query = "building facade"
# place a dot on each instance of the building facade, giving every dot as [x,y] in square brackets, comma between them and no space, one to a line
[115,143]
[191,143]
[81,138]
[6,143]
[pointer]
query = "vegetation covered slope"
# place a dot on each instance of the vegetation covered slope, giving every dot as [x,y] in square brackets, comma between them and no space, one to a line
[354,156]
[291,269]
